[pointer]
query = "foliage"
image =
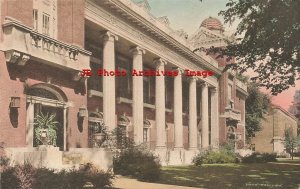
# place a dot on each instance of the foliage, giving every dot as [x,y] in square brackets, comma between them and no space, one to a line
[46,122]
[257,105]
[4,160]
[290,142]
[225,154]
[270,44]
[259,158]
[117,140]
[26,176]
[138,162]
[88,173]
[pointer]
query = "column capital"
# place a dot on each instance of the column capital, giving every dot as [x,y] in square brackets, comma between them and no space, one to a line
[204,84]
[192,78]
[159,62]
[109,36]
[180,70]
[136,50]
[214,90]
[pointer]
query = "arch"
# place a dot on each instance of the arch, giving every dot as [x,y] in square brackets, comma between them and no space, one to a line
[147,123]
[46,90]
[96,117]
[123,120]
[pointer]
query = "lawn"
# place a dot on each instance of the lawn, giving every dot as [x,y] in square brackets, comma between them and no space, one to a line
[282,174]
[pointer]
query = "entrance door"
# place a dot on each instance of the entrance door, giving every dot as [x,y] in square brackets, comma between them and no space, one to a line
[58,111]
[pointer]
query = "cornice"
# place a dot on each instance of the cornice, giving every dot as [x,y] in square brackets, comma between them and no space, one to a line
[105,19]
[119,7]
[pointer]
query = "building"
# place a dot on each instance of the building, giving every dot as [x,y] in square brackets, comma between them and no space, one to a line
[295,107]
[46,48]
[233,91]
[270,138]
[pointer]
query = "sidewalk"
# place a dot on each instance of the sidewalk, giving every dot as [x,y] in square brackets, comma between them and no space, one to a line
[129,183]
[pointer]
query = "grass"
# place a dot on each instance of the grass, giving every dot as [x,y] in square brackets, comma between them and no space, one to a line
[282,174]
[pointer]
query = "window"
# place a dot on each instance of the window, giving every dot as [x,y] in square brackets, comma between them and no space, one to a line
[35,19]
[46,24]
[230,100]
[124,84]
[168,92]
[146,89]
[229,91]
[95,82]
[145,134]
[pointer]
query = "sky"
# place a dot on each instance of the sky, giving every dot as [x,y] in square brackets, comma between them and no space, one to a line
[188,15]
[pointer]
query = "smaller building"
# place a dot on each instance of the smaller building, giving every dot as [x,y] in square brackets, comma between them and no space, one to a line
[270,138]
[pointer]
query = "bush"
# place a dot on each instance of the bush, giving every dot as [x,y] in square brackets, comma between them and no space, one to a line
[259,158]
[26,176]
[214,157]
[138,163]
[88,173]
[9,179]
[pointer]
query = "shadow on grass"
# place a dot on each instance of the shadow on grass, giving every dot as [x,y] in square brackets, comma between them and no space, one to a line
[264,175]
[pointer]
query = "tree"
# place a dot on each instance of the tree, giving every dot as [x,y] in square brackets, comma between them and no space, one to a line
[290,142]
[257,105]
[270,44]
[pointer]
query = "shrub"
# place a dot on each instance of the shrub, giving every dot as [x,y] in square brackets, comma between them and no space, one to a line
[225,154]
[88,173]
[137,162]
[9,179]
[26,176]
[214,157]
[259,158]
[48,179]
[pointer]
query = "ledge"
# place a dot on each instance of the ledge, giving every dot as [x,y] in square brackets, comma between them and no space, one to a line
[21,43]
[95,93]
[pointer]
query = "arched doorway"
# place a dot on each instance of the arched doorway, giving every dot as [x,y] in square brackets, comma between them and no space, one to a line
[46,99]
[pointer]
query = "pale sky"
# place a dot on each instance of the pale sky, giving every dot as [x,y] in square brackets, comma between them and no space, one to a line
[188,15]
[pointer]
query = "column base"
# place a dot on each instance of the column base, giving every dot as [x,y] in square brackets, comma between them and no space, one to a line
[160,148]
[193,148]
[178,148]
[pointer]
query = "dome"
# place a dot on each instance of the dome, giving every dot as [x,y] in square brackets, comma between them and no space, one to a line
[212,24]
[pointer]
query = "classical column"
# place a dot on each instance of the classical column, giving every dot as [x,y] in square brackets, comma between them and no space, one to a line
[160,113]
[137,95]
[204,117]
[109,96]
[215,117]
[192,114]
[178,130]
[29,125]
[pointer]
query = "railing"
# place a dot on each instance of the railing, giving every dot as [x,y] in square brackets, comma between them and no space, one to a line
[21,43]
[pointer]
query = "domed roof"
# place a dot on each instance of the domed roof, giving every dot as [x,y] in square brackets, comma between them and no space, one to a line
[212,24]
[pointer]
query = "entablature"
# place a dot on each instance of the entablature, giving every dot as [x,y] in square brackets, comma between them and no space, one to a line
[110,15]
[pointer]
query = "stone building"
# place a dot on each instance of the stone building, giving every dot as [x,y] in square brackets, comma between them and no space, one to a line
[295,107]
[233,92]
[47,45]
[270,138]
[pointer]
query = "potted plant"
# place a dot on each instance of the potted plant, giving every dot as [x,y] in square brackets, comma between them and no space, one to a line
[45,129]
[100,134]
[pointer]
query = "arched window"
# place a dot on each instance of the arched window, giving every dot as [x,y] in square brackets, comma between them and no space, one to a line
[147,125]
[96,129]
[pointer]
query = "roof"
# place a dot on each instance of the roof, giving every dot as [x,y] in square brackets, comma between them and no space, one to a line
[284,111]
[212,24]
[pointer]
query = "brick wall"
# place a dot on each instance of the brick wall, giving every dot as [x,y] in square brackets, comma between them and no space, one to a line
[71,21]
